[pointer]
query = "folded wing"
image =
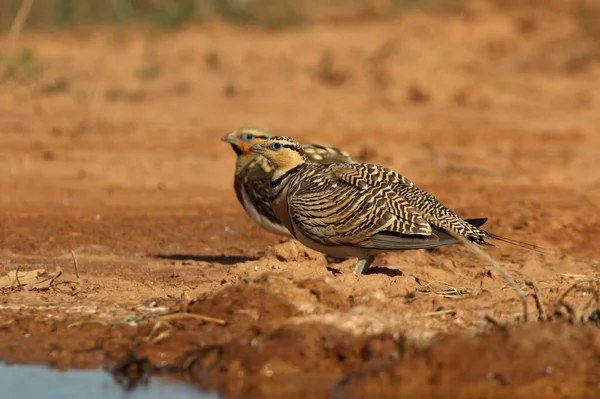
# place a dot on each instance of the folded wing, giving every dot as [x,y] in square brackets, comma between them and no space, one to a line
[344,204]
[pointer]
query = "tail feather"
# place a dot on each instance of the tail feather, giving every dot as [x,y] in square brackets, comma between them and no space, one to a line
[477,222]
[521,244]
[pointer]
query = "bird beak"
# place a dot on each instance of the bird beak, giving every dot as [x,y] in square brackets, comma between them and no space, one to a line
[229,138]
[258,148]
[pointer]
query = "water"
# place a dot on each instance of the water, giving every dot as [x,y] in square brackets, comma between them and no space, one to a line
[30,382]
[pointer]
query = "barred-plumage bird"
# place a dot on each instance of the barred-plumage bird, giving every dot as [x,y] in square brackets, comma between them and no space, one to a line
[358,210]
[253,174]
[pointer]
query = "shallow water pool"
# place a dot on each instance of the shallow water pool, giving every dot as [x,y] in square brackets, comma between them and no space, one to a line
[25,382]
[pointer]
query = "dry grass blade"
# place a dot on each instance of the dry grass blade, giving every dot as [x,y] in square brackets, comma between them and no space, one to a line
[75,265]
[16,28]
[455,293]
[451,292]
[20,19]
[448,294]
[430,283]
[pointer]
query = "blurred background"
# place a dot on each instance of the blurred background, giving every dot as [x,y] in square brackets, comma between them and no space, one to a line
[121,103]
[270,14]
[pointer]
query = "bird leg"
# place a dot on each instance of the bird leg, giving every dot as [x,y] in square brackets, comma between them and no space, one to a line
[363,264]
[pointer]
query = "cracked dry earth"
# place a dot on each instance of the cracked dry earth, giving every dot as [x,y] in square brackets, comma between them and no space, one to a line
[174,278]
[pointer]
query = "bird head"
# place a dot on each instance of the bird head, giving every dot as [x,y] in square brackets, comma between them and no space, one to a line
[245,137]
[283,152]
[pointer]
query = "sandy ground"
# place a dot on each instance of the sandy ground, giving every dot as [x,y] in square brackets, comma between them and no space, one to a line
[114,154]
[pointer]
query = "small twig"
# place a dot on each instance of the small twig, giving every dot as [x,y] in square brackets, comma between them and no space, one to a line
[156,326]
[573,319]
[542,315]
[561,302]
[441,312]
[567,292]
[17,276]
[492,320]
[163,335]
[593,316]
[168,316]
[66,282]
[54,278]
[75,265]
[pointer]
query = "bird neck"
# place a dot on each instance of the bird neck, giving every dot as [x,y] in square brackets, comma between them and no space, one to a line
[281,178]
[243,161]
[281,171]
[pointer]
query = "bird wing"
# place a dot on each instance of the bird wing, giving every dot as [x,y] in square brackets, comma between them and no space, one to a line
[342,204]
[324,154]
[436,213]
[425,204]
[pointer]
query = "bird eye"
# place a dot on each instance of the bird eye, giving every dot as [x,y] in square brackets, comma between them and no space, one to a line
[247,137]
[275,146]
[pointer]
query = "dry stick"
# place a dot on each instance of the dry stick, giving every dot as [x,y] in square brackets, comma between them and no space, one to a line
[490,319]
[20,19]
[16,28]
[54,278]
[17,276]
[567,292]
[561,302]
[496,266]
[75,265]
[542,315]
